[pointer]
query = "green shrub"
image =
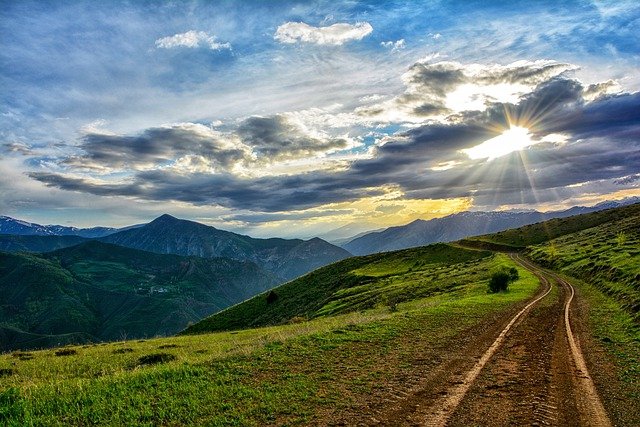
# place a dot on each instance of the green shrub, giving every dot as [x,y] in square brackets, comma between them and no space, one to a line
[499,281]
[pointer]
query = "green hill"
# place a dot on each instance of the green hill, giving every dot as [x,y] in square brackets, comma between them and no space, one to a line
[541,232]
[20,243]
[357,283]
[606,256]
[97,291]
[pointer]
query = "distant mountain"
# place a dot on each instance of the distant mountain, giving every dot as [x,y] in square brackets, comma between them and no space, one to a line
[459,226]
[96,291]
[14,226]
[348,232]
[286,258]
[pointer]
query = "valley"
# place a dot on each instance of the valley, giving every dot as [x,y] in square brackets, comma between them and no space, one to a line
[400,338]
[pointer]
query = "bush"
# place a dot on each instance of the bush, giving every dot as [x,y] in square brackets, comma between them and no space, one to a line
[500,279]
[272,297]
[499,282]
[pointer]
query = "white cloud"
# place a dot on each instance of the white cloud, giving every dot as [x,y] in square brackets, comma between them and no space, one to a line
[336,34]
[191,39]
[394,46]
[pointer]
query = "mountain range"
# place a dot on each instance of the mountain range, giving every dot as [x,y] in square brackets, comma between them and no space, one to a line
[461,225]
[286,258]
[14,226]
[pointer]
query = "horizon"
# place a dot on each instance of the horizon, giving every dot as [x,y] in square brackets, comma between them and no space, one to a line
[328,236]
[295,119]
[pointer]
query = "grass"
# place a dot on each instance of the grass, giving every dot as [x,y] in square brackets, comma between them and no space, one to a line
[606,256]
[290,374]
[357,283]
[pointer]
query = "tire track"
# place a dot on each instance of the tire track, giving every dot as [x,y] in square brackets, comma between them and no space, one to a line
[444,408]
[591,405]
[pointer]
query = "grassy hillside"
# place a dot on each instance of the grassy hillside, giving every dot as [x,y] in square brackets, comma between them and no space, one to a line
[96,291]
[606,256]
[293,374]
[17,243]
[357,283]
[544,231]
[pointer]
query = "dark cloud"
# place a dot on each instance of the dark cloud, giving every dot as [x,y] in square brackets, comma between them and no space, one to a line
[276,137]
[17,147]
[437,79]
[155,146]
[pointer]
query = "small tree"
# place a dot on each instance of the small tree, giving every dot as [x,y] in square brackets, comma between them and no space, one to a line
[272,297]
[499,281]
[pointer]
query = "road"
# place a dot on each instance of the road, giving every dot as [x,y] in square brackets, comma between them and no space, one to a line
[529,371]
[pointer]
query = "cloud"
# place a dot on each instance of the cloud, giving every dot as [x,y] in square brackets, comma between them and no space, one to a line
[336,34]
[394,46]
[155,147]
[438,89]
[581,144]
[191,39]
[278,138]
[256,143]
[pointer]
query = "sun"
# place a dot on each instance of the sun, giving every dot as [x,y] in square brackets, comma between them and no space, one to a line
[513,139]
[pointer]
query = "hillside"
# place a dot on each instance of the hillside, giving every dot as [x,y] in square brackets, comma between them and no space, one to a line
[286,258]
[357,283]
[539,233]
[458,226]
[606,255]
[97,291]
[34,243]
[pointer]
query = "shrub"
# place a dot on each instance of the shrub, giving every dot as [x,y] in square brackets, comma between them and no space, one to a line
[272,297]
[499,282]
[66,352]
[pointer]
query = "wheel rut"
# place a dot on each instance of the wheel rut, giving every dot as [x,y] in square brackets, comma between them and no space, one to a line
[531,373]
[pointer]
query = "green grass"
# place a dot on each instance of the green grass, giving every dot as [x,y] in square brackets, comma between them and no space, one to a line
[607,256]
[357,283]
[289,374]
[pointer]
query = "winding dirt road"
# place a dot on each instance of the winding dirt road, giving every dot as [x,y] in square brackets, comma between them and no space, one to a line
[530,371]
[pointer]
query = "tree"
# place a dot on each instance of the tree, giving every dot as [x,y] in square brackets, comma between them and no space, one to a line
[499,281]
[272,297]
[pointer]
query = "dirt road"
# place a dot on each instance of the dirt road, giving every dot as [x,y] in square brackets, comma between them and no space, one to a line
[530,371]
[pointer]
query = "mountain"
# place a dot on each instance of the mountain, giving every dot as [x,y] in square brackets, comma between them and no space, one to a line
[459,226]
[286,258]
[31,243]
[348,232]
[96,291]
[14,226]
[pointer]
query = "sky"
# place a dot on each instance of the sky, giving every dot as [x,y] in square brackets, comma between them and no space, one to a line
[296,119]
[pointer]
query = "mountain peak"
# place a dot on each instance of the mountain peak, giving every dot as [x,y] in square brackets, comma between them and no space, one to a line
[165,218]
